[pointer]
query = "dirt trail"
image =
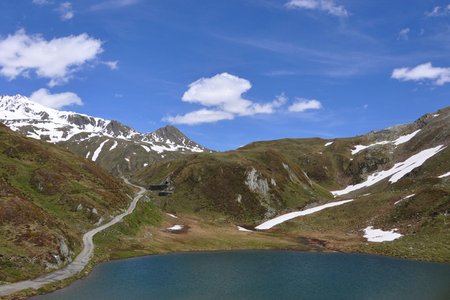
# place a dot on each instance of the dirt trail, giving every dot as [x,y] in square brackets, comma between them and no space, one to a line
[79,262]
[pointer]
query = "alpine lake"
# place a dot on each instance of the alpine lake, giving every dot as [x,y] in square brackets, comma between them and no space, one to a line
[261,275]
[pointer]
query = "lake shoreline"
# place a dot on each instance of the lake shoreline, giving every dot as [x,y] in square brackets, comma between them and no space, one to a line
[309,257]
[95,263]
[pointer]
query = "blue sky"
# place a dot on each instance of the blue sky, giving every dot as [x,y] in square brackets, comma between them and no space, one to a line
[231,72]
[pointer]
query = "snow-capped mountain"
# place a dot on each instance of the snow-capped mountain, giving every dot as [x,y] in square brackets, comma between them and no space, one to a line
[112,144]
[41,122]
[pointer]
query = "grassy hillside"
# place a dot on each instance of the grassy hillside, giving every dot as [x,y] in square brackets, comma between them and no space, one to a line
[48,198]
[265,179]
[246,186]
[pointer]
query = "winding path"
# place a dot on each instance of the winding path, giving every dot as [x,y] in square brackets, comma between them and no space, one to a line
[79,262]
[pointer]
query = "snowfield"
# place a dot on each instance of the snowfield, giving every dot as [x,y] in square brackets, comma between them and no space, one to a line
[98,150]
[405,138]
[359,148]
[378,235]
[289,216]
[146,148]
[329,144]
[396,172]
[401,140]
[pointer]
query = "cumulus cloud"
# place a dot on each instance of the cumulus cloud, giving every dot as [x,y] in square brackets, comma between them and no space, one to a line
[302,105]
[328,6]
[439,11]
[222,97]
[57,101]
[423,72]
[113,4]
[55,59]
[66,11]
[404,34]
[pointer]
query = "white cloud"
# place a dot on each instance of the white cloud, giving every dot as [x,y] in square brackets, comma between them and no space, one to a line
[328,6]
[41,2]
[200,116]
[423,72]
[269,108]
[439,11]
[404,34]
[222,95]
[55,59]
[57,101]
[302,105]
[222,90]
[113,65]
[113,4]
[66,11]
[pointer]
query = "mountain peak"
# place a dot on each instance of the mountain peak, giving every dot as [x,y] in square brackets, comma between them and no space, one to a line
[172,136]
[169,131]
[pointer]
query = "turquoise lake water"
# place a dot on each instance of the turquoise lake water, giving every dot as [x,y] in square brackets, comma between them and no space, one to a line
[262,275]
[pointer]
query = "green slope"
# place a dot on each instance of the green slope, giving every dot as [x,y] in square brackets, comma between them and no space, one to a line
[48,198]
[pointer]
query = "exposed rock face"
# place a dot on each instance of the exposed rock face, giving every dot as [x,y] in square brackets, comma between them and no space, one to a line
[257,184]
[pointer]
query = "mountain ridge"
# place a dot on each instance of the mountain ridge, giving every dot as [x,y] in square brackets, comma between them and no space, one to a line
[86,135]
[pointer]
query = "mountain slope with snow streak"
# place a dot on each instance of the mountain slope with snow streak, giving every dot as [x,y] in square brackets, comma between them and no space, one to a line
[289,216]
[396,172]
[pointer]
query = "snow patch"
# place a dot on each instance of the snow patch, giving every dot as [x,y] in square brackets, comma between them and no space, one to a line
[176,227]
[172,215]
[98,150]
[329,144]
[243,229]
[113,146]
[403,199]
[146,148]
[378,235]
[396,172]
[401,140]
[444,175]
[359,148]
[286,217]
[405,138]
[239,198]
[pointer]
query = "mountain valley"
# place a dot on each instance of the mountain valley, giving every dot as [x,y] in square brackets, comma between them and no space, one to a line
[386,192]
